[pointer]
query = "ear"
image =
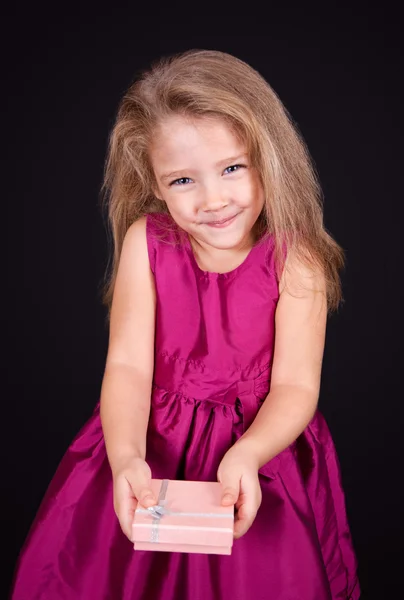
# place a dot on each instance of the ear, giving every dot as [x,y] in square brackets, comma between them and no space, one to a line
[158,196]
[157,192]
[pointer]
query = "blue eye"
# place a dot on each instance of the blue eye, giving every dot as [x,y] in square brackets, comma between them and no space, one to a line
[234,168]
[181,181]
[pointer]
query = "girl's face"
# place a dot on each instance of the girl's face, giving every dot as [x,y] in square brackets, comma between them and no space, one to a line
[204,175]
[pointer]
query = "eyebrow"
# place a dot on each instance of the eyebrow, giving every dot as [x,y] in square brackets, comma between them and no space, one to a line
[228,161]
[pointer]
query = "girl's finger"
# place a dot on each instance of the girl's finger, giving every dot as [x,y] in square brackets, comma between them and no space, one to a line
[244,519]
[124,506]
[230,488]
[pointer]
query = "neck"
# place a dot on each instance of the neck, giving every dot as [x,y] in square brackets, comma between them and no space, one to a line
[221,260]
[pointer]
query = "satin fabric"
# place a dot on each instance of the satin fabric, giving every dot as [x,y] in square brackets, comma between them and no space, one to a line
[214,347]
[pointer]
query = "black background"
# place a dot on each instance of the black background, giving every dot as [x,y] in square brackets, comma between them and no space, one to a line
[339,76]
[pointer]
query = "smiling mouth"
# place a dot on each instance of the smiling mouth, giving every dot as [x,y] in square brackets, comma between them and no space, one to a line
[222,222]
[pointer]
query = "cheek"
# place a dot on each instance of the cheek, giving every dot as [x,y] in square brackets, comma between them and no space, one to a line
[258,195]
[181,207]
[260,199]
[250,195]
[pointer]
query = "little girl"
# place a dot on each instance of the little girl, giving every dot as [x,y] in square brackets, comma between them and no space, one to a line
[223,275]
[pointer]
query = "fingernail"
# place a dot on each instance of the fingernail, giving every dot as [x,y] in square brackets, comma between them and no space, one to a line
[148,499]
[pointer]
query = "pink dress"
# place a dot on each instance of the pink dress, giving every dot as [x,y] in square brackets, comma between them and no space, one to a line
[213,357]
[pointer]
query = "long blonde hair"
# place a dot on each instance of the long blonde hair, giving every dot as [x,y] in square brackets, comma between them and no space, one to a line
[209,83]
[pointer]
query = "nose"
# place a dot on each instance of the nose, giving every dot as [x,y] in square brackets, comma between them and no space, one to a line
[214,199]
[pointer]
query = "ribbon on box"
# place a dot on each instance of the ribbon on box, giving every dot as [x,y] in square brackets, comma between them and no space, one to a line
[159,511]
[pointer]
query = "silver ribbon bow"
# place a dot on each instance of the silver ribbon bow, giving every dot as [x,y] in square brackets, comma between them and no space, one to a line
[158,511]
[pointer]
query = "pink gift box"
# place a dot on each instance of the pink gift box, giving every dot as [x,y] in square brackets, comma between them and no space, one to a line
[188,517]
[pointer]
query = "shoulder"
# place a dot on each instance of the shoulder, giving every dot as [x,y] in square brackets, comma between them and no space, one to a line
[136,234]
[152,223]
[158,223]
[134,247]
[148,234]
[300,274]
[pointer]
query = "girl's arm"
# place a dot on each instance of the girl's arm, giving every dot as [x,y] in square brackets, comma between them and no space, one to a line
[300,326]
[126,385]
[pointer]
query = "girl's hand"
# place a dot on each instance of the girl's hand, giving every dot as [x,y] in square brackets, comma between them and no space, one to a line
[132,484]
[238,474]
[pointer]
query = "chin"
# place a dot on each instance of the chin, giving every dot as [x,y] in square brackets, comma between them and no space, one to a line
[226,241]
